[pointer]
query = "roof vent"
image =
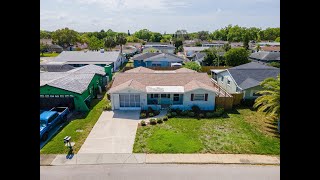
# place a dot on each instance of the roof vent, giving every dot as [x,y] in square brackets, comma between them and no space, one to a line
[102,50]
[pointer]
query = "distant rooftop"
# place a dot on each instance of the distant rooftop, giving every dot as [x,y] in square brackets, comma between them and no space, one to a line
[88,56]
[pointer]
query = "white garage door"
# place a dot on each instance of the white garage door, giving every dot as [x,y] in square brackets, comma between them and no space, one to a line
[129,100]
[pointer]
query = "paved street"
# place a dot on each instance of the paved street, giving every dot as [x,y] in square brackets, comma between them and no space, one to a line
[114,132]
[159,171]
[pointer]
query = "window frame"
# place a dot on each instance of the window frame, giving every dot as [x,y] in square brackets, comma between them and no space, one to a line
[194,97]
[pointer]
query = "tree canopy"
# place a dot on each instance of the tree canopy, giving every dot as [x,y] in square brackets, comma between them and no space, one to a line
[192,65]
[95,43]
[236,57]
[65,37]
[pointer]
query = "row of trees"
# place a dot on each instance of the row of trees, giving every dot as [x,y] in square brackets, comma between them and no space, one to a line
[236,33]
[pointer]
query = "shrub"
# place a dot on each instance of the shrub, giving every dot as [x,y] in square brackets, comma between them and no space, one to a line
[165,118]
[150,109]
[201,115]
[219,111]
[156,112]
[108,107]
[143,123]
[209,115]
[151,114]
[178,111]
[169,115]
[159,120]
[143,115]
[191,114]
[174,114]
[195,109]
[248,102]
[153,121]
[184,113]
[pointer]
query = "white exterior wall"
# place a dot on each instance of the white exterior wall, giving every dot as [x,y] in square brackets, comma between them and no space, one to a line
[203,105]
[232,88]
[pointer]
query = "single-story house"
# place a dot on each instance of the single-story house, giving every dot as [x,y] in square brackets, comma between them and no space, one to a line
[55,67]
[55,48]
[198,57]
[46,41]
[163,48]
[140,88]
[82,58]
[74,88]
[189,52]
[270,48]
[245,78]
[269,44]
[156,60]
[216,43]
[265,56]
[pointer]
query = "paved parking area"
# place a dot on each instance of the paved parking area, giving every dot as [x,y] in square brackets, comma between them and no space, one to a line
[114,132]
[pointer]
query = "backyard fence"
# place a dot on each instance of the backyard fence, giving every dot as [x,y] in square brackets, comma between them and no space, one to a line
[226,102]
[237,97]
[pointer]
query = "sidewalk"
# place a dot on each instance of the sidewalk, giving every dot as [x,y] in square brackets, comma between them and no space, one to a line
[90,158]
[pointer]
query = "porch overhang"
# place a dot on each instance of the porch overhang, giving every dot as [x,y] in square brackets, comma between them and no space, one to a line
[165,89]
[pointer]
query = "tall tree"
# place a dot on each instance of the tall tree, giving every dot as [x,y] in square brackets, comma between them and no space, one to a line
[203,35]
[128,33]
[110,42]
[269,101]
[121,40]
[45,34]
[226,47]
[95,43]
[236,57]
[144,34]
[155,37]
[277,39]
[65,37]
[43,48]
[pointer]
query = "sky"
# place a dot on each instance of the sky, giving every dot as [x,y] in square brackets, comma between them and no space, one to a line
[157,15]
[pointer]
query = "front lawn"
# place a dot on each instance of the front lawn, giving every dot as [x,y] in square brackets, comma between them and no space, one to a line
[244,132]
[56,145]
[49,54]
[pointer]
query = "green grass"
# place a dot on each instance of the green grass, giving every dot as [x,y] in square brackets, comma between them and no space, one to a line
[49,54]
[56,145]
[238,134]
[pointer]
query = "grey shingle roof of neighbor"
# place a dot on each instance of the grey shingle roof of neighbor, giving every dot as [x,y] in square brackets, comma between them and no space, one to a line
[76,80]
[55,67]
[266,56]
[199,56]
[144,56]
[252,74]
[195,48]
[168,56]
[88,56]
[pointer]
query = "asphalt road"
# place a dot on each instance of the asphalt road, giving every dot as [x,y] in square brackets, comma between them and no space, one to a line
[160,171]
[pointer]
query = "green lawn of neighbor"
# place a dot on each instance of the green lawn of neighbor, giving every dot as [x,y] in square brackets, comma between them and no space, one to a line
[243,132]
[49,54]
[56,145]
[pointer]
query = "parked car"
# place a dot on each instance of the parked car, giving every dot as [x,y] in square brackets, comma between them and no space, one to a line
[50,119]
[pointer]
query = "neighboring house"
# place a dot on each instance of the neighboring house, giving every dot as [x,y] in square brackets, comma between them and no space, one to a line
[268,44]
[270,48]
[265,56]
[46,41]
[75,88]
[214,44]
[236,44]
[81,45]
[198,57]
[55,67]
[163,48]
[81,58]
[140,88]
[245,78]
[190,51]
[156,60]
[191,42]
[55,48]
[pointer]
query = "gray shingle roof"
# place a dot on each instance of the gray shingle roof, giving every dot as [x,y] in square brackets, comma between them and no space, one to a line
[76,80]
[55,67]
[88,56]
[199,56]
[265,56]
[144,56]
[167,56]
[252,74]
[195,48]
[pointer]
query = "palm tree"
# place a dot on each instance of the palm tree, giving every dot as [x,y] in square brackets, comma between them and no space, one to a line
[121,40]
[110,42]
[269,102]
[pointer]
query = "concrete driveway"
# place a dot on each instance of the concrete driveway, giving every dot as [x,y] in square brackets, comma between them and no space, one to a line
[114,132]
